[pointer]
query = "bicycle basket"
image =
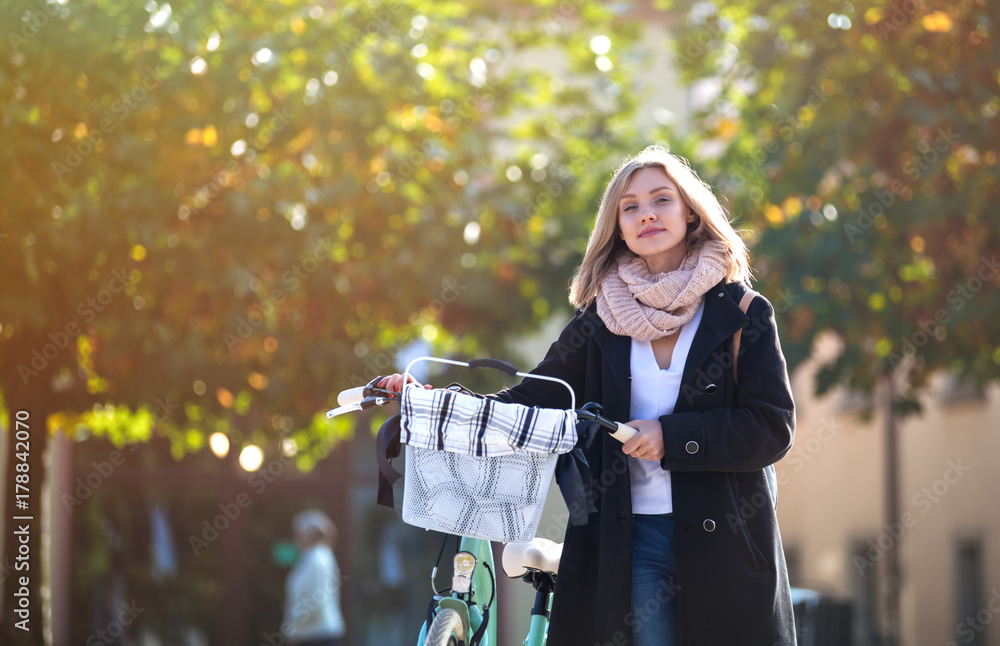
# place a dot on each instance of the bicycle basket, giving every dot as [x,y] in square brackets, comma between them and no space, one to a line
[478,467]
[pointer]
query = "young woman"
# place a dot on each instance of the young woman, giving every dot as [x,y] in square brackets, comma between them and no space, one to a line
[684,546]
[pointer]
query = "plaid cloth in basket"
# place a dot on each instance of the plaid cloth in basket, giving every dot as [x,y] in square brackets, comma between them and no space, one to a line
[445,420]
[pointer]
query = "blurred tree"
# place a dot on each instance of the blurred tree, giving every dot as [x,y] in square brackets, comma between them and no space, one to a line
[859,141]
[215,215]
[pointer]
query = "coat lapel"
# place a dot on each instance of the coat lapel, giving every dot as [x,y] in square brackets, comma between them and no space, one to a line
[720,320]
[617,351]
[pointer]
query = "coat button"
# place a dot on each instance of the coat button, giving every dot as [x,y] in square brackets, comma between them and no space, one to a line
[711,388]
[691,447]
[709,525]
[721,294]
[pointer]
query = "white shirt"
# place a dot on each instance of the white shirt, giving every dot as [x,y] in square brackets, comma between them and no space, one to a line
[654,393]
[312,596]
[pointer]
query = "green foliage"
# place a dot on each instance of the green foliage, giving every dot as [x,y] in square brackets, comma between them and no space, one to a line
[235,208]
[859,142]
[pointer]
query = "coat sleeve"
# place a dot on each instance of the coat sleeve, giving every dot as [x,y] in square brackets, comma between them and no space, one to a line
[758,429]
[566,360]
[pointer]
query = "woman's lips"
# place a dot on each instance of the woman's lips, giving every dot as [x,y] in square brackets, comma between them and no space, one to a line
[650,232]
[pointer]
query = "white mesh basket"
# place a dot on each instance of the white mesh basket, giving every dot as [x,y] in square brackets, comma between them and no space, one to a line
[498,497]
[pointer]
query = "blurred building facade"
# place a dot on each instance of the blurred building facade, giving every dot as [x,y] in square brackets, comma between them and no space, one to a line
[831,506]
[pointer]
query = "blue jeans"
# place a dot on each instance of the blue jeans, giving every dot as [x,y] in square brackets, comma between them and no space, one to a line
[654,581]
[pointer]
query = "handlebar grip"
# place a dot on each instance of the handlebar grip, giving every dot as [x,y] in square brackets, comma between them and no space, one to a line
[496,364]
[624,433]
[351,396]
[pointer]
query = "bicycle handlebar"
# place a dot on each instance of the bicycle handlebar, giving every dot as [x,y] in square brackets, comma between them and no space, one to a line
[351,396]
[496,364]
[366,397]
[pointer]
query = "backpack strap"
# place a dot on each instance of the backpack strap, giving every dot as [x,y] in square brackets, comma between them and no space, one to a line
[744,305]
[769,474]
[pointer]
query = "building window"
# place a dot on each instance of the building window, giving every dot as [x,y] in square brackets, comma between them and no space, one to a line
[969,593]
[854,402]
[951,391]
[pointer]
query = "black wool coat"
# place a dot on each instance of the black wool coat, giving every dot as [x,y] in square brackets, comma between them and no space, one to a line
[731,575]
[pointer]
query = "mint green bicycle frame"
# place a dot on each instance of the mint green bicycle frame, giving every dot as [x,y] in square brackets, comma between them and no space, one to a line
[482,585]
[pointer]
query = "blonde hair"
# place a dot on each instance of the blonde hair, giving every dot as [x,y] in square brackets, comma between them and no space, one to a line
[605,245]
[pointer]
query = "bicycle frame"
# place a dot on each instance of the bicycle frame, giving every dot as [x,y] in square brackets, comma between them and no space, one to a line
[482,585]
[472,617]
[484,578]
[538,633]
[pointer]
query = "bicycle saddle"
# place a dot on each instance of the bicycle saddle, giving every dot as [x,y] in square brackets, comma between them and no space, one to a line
[540,554]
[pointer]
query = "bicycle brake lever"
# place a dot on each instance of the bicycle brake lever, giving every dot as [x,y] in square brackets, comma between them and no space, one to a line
[357,395]
[364,404]
[340,410]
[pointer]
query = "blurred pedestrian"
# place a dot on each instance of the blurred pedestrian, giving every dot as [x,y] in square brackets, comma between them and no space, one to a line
[312,589]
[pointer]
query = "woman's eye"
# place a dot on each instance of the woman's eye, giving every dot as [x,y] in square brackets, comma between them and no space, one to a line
[629,207]
[663,199]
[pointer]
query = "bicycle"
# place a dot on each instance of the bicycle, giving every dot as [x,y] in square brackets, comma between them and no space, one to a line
[455,617]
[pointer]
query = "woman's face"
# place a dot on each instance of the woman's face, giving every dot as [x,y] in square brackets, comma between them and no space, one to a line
[653,219]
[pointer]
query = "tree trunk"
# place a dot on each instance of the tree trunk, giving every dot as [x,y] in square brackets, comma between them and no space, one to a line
[892,570]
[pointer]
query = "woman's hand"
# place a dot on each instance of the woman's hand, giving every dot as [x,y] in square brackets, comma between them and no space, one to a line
[647,444]
[394,383]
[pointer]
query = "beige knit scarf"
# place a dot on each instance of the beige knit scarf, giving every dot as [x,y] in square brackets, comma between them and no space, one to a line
[633,302]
